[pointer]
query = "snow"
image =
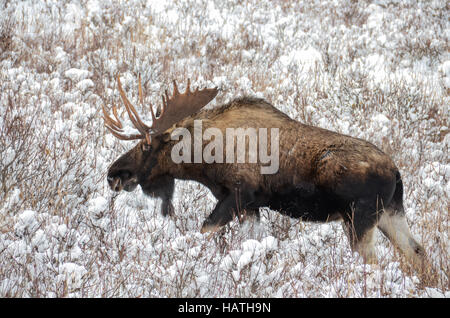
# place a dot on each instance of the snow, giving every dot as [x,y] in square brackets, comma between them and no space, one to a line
[85,85]
[446,73]
[308,59]
[377,71]
[26,223]
[76,74]
[269,243]
[376,16]
[98,205]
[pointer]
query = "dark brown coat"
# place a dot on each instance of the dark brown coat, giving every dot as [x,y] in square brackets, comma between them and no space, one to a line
[322,175]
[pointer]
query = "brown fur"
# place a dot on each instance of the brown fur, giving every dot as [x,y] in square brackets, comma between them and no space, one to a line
[322,176]
[307,153]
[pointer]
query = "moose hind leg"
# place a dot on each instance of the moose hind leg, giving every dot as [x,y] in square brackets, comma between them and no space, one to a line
[363,244]
[359,226]
[394,226]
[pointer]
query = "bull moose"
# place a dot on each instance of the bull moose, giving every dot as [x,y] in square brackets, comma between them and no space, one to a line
[322,175]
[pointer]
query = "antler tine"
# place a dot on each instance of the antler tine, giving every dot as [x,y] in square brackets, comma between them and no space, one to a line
[175,89]
[153,113]
[141,98]
[115,127]
[122,136]
[165,100]
[111,122]
[132,113]
[180,106]
[173,109]
[117,116]
[188,87]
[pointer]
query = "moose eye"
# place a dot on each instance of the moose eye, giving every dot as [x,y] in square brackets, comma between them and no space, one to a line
[146,147]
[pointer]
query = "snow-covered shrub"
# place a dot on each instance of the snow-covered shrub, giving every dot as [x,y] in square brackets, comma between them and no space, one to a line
[378,71]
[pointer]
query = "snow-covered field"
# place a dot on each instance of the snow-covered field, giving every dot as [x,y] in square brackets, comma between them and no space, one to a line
[378,70]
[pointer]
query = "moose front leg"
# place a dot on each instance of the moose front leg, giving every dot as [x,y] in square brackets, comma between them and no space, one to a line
[163,188]
[167,207]
[166,195]
[227,208]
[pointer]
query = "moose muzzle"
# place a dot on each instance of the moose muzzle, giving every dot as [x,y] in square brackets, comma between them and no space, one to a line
[122,181]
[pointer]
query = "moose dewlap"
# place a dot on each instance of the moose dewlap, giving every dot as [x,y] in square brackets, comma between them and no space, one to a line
[315,174]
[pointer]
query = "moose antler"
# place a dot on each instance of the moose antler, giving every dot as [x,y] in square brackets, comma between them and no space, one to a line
[174,109]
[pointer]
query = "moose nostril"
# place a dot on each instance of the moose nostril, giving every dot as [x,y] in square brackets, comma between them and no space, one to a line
[111,180]
[115,184]
[118,179]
